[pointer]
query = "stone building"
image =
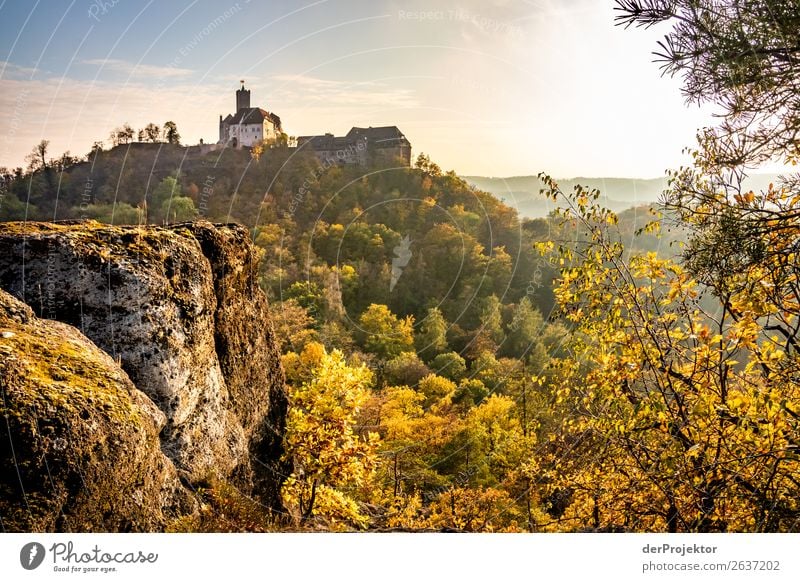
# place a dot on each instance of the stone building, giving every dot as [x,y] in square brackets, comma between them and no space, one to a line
[249,125]
[361,146]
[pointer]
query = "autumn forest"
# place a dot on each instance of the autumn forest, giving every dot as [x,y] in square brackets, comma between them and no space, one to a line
[453,366]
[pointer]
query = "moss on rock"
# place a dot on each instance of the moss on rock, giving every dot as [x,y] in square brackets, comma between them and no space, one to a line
[180,309]
[82,452]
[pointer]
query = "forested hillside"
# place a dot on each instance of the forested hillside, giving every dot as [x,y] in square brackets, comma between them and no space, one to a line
[451,366]
[415,312]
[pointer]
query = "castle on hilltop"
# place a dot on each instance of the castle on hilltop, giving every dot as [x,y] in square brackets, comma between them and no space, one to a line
[361,146]
[249,125]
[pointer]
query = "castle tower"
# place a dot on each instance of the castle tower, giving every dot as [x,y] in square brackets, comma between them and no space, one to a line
[242,98]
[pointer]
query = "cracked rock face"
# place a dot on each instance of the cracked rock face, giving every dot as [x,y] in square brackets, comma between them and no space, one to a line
[82,452]
[248,352]
[180,309]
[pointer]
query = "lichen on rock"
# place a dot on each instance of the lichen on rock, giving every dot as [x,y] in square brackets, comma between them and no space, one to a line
[180,309]
[82,451]
[247,350]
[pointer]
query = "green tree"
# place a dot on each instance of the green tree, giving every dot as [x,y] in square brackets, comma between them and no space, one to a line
[151,132]
[158,202]
[37,159]
[384,334]
[525,328]
[437,390]
[425,164]
[450,365]
[121,213]
[490,334]
[406,369]
[309,296]
[97,147]
[12,209]
[171,134]
[497,437]
[470,392]
[122,135]
[179,209]
[431,338]
[487,369]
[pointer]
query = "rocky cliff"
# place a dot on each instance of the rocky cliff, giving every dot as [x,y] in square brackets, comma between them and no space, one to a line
[82,451]
[179,309]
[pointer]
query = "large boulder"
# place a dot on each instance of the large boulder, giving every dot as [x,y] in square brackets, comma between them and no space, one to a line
[180,309]
[81,450]
[247,351]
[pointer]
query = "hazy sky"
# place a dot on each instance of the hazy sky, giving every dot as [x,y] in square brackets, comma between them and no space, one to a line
[491,87]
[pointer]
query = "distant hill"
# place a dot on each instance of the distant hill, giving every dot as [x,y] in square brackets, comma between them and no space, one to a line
[618,194]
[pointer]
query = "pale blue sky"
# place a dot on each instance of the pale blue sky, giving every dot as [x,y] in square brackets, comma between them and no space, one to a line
[492,87]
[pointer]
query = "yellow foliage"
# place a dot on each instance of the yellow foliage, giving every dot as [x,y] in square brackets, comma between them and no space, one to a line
[675,419]
[329,457]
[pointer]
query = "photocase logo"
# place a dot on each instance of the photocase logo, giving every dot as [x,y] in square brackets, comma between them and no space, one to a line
[536,281]
[31,555]
[402,253]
